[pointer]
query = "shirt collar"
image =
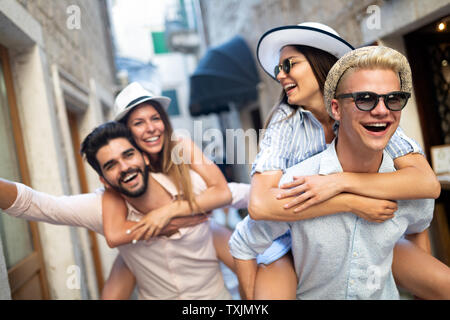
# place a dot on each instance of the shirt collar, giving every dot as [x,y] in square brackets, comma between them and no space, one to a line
[387,164]
[329,162]
[305,113]
[301,114]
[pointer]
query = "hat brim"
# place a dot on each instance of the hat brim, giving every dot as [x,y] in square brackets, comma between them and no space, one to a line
[163,101]
[270,44]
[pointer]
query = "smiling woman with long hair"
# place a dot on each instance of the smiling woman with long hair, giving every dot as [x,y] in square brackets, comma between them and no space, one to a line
[149,124]
[159,146]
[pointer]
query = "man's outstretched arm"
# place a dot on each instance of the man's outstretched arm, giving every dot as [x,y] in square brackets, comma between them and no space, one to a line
[20,201]
[8,193]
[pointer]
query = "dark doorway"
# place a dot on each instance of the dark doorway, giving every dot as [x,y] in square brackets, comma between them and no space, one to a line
[428,50]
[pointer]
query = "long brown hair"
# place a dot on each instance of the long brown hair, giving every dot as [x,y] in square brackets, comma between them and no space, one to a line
[320,62]
[179,173]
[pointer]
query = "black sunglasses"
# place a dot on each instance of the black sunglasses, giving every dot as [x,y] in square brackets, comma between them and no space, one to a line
[367,101]
[286,66]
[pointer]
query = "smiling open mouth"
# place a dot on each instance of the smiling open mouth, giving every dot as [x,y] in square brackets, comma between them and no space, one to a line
[289,87]
[376,127]
[153,139]
[129,176]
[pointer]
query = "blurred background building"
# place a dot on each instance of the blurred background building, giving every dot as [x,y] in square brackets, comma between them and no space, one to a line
[57,81]
[63,61]
[418,29]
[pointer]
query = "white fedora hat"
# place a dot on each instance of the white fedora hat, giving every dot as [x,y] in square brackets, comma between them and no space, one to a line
[312,34]
[133,95]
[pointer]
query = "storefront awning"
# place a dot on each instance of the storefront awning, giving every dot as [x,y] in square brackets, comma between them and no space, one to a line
[226,74]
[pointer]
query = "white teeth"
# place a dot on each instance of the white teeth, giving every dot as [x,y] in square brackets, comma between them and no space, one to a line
[376,124]
[288,86]
[129,177]
[152,139]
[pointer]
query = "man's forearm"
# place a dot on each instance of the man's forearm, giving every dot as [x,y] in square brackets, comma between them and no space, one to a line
[8,193]
[82,210]
[246,272]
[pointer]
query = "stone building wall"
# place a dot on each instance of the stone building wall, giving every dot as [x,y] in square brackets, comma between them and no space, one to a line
[56,69]
[79,52]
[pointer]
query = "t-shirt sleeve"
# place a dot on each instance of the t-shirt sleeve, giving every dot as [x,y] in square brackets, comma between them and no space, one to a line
[240,193]
[420,214]
[400,144]
[251,237]
[274,148]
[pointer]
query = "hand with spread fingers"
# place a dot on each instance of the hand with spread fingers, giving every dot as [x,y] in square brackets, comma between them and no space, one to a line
[152,223]
[309,190]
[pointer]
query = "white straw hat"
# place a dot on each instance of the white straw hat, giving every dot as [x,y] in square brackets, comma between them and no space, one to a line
[312,34]
[133,95]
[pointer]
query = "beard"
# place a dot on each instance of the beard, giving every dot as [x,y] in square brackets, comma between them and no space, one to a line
[136,193]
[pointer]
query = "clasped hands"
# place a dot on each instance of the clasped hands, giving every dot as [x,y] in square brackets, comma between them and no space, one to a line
[308,191]
[163,221]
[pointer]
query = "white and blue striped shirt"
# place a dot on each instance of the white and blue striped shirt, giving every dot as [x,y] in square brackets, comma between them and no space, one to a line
[289,141]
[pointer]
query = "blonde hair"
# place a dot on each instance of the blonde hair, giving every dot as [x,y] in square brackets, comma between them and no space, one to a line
[178,173]
[378,58]
[372,57]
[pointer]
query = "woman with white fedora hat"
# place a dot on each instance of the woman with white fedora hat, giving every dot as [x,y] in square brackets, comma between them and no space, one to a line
[199,184]
[299,58]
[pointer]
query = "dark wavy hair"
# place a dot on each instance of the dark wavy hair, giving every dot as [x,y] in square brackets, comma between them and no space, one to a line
[100,137]
[320,62]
